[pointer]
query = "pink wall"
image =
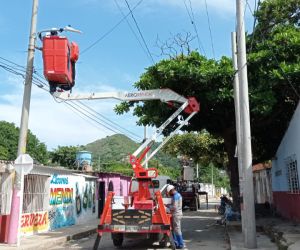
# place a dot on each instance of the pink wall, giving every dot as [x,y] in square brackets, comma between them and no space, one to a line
[287,204]
[118,180]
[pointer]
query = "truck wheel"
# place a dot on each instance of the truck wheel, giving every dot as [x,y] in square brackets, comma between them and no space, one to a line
[154,237]
[193,206]
[117,239]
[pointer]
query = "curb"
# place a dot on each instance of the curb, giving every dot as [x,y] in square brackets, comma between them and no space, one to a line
[81,235]
[52,242]
[276,237]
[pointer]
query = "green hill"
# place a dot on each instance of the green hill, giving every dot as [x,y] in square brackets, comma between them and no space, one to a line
[114,150]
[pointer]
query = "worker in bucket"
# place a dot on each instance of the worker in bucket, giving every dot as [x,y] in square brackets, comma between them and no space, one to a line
[176,210]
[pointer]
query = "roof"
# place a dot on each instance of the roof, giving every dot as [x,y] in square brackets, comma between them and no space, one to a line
[261,166]
[87,176]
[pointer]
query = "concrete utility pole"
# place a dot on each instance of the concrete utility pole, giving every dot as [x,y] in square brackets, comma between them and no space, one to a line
[212,180]
[237,120]
[16,208]
[145,138]
[246,152]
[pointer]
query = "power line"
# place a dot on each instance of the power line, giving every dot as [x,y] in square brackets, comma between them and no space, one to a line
[40,82]
[90,111]
[79,109]
[192,19]
[139,30]
[209,27]
[112,122]
[110,30]
[274,56]
[132,30]
[256,6]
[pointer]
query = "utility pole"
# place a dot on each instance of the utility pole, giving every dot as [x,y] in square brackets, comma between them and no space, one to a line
[99,162]
[17,199]
[145,138]
[246,151]
[237,120]
[197,171]
[212,180]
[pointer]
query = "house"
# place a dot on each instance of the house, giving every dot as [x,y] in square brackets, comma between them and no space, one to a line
[262,183]
[56,197]
[285,171]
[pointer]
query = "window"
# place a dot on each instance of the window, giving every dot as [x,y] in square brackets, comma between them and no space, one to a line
[6,188]
[292,174]
[36,193]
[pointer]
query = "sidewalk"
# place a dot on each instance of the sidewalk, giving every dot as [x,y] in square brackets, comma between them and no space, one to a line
[285,233]
[272,233]
[237,241]
[54,238]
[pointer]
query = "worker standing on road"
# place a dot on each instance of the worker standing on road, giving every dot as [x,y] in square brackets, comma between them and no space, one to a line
[176,210]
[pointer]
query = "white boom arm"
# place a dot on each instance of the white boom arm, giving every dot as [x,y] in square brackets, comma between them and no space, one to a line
[164,95]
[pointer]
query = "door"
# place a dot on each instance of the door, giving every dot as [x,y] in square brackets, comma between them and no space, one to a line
[101,197]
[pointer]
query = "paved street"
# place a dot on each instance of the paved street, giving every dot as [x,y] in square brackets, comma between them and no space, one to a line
[199,229]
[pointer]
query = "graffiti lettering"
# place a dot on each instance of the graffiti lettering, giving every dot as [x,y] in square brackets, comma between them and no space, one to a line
[34,222]
[59,180]
[61,196]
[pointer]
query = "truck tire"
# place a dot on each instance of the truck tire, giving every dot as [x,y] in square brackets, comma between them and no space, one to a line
[154,237]
[117,239]
[194,204]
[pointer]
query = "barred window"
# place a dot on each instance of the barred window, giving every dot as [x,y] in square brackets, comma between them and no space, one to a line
[6,188]
[36,193]
[292,175]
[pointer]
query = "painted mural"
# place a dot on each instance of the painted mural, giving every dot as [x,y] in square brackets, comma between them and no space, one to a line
[61,216]
[34,222]
[61,213]
[72,200]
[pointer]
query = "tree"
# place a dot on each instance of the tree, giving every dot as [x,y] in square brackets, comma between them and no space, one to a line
[205,150]
[9,135]
[202,147]
[274,73]
[65,156]
[272,87]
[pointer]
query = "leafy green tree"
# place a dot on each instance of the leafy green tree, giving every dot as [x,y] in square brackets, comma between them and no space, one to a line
[273,86]
[274,73]
[9,136]
[202,147]
[65,156]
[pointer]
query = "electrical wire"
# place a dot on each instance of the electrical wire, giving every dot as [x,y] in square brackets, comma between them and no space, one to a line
[139,30]
[256,6]
[40,82]
[112,122]
[109,31]
[209,27]
[132,30]
[192,19]
[275,57]
[87,109]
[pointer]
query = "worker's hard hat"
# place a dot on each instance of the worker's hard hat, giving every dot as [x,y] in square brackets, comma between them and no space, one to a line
[170,187]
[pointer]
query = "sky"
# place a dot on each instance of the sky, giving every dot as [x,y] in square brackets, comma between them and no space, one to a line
[112,64]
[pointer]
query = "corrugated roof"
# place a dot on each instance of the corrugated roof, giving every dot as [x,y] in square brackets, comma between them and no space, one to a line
[261,166]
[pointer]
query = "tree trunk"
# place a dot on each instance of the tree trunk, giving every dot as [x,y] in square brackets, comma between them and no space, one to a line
[232,168]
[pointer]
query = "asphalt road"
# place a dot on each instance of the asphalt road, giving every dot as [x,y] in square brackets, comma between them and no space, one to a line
[200,231]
